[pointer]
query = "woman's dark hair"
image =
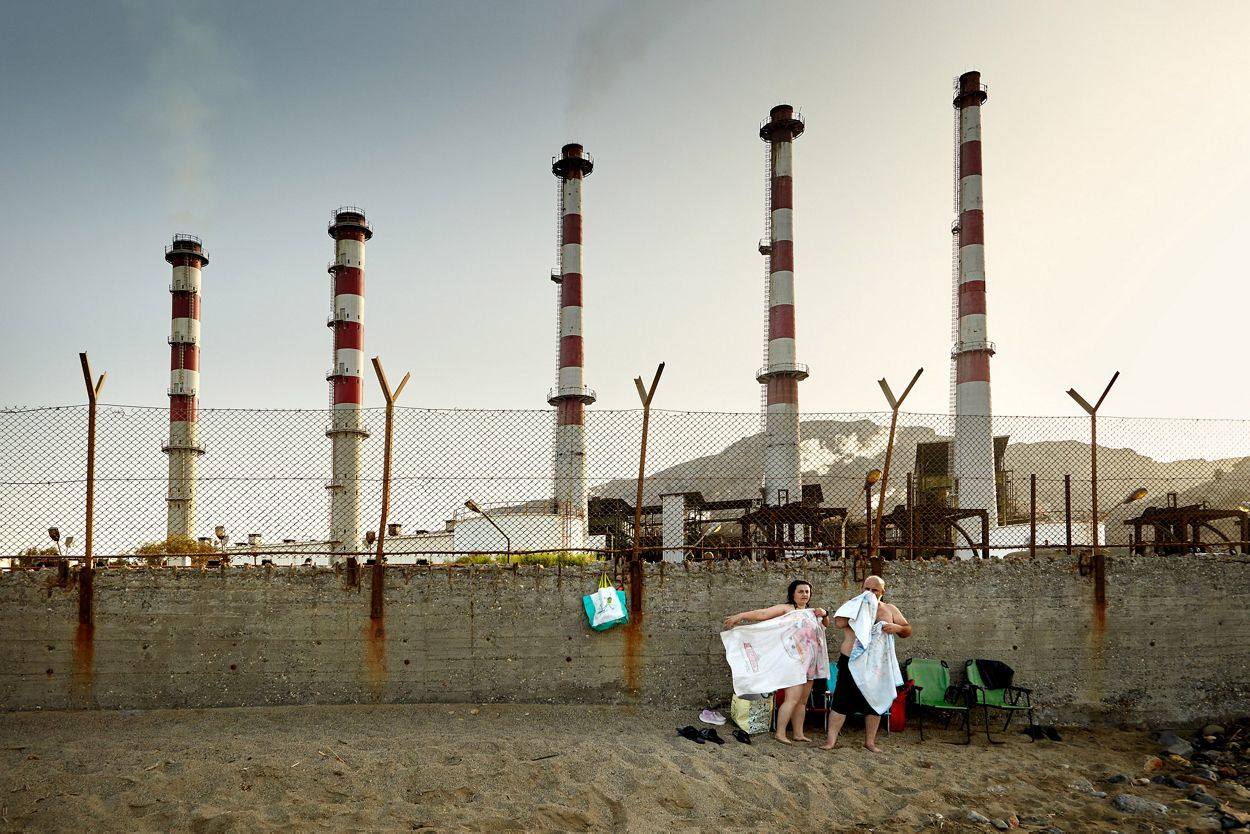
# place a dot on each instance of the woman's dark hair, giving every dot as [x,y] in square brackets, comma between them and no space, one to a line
[794,587]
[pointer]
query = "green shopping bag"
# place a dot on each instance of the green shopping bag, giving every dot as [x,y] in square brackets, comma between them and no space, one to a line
[605,607]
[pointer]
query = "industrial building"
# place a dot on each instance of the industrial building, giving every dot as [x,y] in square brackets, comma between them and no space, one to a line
[959,488]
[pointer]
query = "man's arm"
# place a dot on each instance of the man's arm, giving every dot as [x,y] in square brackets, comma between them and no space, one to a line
[898,625]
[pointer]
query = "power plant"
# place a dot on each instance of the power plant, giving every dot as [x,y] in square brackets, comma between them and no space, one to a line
[187,257]
[783,514]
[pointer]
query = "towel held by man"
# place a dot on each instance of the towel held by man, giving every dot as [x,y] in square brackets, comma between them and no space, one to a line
[867,674]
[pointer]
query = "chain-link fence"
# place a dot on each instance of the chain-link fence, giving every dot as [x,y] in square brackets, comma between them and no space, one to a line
[263,488]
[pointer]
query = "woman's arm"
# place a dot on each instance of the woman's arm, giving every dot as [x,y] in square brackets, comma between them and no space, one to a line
[759,615]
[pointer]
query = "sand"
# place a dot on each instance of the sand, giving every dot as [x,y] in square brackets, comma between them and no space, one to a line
[538,767]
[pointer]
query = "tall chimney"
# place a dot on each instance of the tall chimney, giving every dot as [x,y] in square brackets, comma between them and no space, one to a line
[974,435]
[781,373]
[187,256]
[570,396]
[350,230]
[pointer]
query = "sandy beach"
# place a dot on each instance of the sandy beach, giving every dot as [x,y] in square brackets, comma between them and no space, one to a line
[548,768]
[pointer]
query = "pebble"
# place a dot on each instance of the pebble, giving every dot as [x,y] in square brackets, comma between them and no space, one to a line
[1001,825]
[1141,780]
[1098,794]
[1152,763]
[1171,782]
[1082,786]
[1204,798]
[1131,804]
[973,816]
[1180,747]
[1205,775]
[1213,730]
[1116,778]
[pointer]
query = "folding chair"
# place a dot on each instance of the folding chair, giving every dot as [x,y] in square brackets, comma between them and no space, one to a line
[1008,699]
[933,690]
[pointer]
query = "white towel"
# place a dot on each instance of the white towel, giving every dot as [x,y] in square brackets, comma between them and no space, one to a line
[862,613]
[785,651]
[873,663]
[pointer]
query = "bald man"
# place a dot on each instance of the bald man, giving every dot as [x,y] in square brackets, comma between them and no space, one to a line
[847,697]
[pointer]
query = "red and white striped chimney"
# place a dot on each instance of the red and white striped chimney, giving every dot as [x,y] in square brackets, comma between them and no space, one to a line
[974,434]
[350,229]
[571,396]
[187,257]
[782,372]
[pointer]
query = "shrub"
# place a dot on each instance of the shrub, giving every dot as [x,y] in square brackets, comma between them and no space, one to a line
[549,559]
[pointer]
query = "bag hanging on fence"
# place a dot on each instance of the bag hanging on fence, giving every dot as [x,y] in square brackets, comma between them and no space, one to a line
[606,606]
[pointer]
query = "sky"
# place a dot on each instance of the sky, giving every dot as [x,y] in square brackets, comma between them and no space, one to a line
[1116,181]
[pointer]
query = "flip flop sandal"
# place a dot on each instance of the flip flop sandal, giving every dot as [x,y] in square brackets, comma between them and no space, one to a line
[709,734]
[742,735]
[690,733]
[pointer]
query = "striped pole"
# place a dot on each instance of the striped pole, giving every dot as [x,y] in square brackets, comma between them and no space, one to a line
[350,229]
[187,257]
[571,396]
[782,373]
[974,434]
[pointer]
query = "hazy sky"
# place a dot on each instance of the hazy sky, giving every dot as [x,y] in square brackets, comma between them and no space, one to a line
[1116,156]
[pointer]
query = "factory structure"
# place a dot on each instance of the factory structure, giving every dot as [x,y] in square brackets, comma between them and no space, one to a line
[960,481]
[187,257]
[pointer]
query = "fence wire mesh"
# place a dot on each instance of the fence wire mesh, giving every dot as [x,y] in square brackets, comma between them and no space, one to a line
[263,481]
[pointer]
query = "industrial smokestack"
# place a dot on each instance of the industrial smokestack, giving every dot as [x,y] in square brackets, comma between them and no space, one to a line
[570,396]
[187,256]
[974,436]
[350,230]
[782,372]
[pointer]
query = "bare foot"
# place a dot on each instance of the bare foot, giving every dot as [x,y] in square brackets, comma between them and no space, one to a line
[782,739]
[803,739]
[872,748]
[829,745]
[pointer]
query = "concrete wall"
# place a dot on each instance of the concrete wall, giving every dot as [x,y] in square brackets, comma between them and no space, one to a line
[1174,646]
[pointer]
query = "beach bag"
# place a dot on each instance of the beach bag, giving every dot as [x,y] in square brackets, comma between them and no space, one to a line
[606,606]
[754,716]
[898,710]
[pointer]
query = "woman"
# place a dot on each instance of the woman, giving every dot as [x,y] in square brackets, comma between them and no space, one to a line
[793,709]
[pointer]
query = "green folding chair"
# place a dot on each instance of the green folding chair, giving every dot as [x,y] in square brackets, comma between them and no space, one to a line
[1007,699]
[934,691]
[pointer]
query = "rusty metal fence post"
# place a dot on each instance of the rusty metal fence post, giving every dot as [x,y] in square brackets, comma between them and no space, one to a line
[1067,513]
[1033,516]
[376,592]
[86,614]
[1100,567]
[635,559]
[874,544]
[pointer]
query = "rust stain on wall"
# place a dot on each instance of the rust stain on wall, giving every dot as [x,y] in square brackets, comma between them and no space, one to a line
[633,650]
[83,676]
[375,656]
